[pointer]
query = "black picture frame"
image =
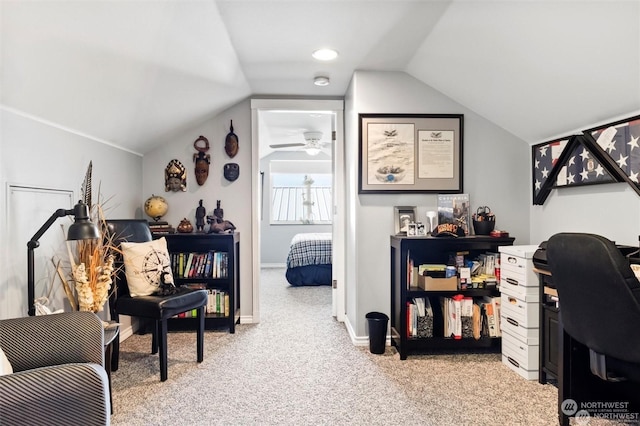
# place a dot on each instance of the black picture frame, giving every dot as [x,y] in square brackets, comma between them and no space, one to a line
[410,153]
[620,148]
[544,156]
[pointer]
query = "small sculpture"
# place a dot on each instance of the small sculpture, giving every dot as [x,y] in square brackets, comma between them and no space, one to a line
[202,160]
[185,227]
[218,212]
[217,225]
[175,177]
[201,212]
[231,143]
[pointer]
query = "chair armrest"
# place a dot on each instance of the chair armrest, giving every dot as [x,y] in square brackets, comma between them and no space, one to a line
[62,394]
[40,341]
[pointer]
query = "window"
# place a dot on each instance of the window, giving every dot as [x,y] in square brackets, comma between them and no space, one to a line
[298,197]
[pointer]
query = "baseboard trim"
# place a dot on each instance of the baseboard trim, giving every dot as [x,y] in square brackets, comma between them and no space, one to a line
[360,340]
[246,319]
[125,333]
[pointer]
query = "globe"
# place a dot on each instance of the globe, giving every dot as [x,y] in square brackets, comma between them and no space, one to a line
[156,207]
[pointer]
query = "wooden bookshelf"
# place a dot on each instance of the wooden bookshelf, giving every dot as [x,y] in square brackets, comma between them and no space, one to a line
[221,277]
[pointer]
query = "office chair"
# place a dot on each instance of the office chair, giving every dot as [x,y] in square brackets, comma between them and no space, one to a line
[154,307]
[600,309]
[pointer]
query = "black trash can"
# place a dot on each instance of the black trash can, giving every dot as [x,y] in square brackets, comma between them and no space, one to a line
[377,331]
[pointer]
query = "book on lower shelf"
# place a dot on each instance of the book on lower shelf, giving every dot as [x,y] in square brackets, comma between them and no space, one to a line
[217,302]
[419,318]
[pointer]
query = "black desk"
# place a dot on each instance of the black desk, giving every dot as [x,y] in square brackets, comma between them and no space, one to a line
[567,360]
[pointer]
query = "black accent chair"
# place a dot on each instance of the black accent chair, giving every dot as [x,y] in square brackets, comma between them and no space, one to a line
[155,308]
[600,317]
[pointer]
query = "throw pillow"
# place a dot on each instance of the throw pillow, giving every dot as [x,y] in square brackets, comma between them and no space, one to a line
[147,266]
[5,365]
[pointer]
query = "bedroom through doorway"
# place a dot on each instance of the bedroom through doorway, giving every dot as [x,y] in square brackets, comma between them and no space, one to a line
[296,181]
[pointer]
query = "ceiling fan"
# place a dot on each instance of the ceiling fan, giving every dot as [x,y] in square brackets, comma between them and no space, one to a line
[312,143]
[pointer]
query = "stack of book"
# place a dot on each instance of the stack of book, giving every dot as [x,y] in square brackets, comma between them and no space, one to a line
[161,228]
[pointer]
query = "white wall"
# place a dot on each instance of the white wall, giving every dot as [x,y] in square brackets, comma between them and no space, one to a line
[43,155]
[276,239]
[235,196]
[611,210]
[495,174]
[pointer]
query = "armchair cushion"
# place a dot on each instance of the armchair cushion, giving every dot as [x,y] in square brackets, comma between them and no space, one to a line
[58,376]
[147,265]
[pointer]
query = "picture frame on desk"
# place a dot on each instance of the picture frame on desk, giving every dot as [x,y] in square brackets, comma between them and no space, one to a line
[403,216]
[410,153]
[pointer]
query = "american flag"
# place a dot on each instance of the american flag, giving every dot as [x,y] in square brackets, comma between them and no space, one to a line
[582,168]
[621,142]
[545,157]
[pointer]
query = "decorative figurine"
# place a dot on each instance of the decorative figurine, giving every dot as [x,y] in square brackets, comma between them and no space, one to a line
[185,226]
[201,212]
[218,212]
[231,171]
[217,225]
[202,160]
[231,143]
[175,177]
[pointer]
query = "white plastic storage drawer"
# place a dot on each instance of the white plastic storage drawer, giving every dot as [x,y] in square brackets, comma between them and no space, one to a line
[527,314]
[528,296]
[529,336]
[521,358]
[524,251]
[516,287]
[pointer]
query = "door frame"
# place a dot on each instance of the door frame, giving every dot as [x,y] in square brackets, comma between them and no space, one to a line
[338,226]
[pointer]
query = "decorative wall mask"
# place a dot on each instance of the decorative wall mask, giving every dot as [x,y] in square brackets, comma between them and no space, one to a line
[202,160]
[231,143]
[231,171]
[175,177]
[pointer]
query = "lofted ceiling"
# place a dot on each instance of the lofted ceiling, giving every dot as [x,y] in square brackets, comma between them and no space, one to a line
[133,72]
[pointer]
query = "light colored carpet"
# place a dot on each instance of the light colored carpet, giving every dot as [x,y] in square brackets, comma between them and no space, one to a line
[298,367]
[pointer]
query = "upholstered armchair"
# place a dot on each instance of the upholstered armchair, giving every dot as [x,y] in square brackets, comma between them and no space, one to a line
[58,371]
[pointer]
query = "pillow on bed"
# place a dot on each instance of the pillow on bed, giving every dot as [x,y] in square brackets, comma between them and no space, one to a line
[146,266]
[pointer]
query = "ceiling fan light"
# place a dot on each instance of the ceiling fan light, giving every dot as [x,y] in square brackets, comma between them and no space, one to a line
[313,151]
[321,81]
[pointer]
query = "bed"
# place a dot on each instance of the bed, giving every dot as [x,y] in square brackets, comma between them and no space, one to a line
[309,259]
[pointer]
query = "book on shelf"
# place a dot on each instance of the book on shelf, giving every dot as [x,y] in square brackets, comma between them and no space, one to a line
[218,302]
[492,311]
[454,209]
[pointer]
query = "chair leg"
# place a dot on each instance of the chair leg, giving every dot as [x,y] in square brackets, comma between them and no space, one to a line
[115,348]
[162,343]
[200,332]
[154,338]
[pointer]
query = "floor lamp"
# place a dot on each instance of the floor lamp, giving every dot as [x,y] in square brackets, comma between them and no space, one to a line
[81,229]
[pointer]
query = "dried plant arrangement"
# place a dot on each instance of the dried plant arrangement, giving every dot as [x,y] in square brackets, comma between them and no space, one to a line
[88,277]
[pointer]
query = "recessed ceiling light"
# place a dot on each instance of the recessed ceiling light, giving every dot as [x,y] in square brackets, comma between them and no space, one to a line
[325,54]
[321,81]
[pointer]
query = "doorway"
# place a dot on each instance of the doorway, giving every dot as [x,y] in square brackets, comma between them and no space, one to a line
[290,120]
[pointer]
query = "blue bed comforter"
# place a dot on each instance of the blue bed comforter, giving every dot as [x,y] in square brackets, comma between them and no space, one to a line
[309,249]
[309,259]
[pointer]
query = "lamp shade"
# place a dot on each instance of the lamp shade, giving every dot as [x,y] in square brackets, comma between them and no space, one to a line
[82,228]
